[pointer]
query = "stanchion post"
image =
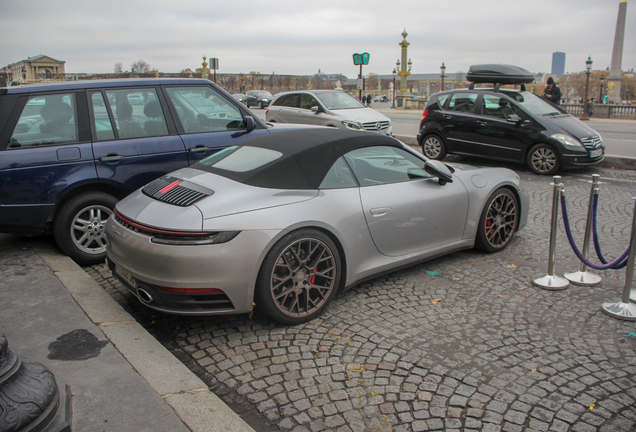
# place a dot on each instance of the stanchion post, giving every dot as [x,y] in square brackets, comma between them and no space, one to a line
[550,281]
[624,309]
[583,277]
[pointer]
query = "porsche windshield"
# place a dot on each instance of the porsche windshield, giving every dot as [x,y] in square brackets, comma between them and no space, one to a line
[338,100]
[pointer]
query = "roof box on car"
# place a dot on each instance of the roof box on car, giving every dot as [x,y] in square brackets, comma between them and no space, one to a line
[498,74]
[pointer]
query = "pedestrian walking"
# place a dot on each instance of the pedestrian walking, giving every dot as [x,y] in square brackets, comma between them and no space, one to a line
[552,92]
[590,108]
[369,100]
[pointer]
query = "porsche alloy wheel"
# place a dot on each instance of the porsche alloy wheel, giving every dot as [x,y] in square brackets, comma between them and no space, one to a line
[498,221]
[299,277]
[433,148]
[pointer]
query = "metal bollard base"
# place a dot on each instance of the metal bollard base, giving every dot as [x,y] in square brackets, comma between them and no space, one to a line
[552,283]
[583,278]
[620,310]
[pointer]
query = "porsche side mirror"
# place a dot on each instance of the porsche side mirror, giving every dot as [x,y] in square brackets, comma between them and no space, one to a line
[439,170]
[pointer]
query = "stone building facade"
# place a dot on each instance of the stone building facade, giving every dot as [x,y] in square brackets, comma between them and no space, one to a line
[37,68]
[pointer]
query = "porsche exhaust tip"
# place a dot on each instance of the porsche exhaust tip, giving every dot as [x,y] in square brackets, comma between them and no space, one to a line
[144,296]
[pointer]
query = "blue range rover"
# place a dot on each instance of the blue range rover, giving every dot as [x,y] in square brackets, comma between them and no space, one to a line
[70,150]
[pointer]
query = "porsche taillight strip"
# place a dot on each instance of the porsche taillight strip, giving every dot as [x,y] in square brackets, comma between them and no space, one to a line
[134,226]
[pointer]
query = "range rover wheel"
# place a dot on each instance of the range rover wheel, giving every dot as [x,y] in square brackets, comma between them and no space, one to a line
[433,147]
[542,159]
[299,277]
[79,229]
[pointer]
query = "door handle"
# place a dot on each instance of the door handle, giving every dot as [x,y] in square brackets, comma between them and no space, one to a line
[481,123]
[198,149]
[377,212]
[447,117]
[110,158]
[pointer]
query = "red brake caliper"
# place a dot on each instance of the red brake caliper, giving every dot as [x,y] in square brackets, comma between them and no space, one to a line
[312,280]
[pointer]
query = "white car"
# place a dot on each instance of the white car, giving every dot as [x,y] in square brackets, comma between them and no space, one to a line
[327,108]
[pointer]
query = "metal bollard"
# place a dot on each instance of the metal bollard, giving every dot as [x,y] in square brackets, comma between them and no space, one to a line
[583,277]
[624,309]
[550,281]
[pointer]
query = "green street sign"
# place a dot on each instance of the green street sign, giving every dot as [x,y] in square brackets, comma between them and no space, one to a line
[361,59]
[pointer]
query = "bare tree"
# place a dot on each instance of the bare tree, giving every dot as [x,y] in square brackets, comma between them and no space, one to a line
[140,66]
[372,81]
[118,68]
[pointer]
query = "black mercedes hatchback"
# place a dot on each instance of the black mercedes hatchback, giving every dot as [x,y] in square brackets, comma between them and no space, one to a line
[506,124]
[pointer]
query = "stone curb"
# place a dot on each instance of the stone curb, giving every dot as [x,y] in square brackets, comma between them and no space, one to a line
[200,409]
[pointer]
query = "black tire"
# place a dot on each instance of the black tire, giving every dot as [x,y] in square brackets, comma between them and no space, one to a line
[299,277]
[434,147]
[79,229]
[543,159]
[498,222]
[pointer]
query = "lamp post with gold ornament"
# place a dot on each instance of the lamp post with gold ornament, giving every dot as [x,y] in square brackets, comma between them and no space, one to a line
[204,75]
[404,68]
[588,67]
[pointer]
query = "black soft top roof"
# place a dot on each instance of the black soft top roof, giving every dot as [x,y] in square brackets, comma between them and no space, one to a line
[308,154]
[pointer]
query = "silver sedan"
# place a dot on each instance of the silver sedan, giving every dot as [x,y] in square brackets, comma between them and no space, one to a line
[286,221]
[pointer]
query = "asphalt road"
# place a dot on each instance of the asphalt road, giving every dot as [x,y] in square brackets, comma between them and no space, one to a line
[619,136]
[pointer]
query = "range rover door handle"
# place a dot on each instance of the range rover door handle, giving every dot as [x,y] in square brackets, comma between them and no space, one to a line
[481,123]
[447,117]
[198,149]
[110,158]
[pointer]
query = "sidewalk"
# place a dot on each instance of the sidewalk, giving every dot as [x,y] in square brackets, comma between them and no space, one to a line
[120,377]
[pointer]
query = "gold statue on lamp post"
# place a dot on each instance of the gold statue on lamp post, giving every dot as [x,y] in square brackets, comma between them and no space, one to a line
[204,75]
[404,68]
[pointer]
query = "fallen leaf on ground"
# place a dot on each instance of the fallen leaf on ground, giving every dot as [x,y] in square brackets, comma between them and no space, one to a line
[512,266]
[436,301]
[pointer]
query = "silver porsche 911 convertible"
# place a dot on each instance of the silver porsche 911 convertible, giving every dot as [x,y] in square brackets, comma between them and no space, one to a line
[284,222]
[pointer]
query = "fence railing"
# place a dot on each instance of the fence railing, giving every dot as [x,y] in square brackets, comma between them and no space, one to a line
[603,111]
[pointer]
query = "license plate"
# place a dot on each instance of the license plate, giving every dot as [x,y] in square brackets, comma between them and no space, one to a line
[596,153]
[127,277]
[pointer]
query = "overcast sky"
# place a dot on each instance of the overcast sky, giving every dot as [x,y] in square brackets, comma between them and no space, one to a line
[300,37]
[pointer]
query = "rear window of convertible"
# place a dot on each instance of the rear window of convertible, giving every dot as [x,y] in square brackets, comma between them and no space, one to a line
[241,158]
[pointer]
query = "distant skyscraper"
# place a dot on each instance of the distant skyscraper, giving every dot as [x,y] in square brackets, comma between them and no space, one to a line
[558,64]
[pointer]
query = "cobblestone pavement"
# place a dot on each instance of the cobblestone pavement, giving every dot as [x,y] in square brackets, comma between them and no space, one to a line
[464,342]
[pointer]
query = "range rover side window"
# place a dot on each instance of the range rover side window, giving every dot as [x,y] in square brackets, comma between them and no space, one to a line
[462,102]
[201,109]
[137,112]
[46,120]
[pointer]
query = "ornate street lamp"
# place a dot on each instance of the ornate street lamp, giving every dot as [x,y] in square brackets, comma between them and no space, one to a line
[588,67]
[394,74]
[443,69]
[204,75]
[600,95]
